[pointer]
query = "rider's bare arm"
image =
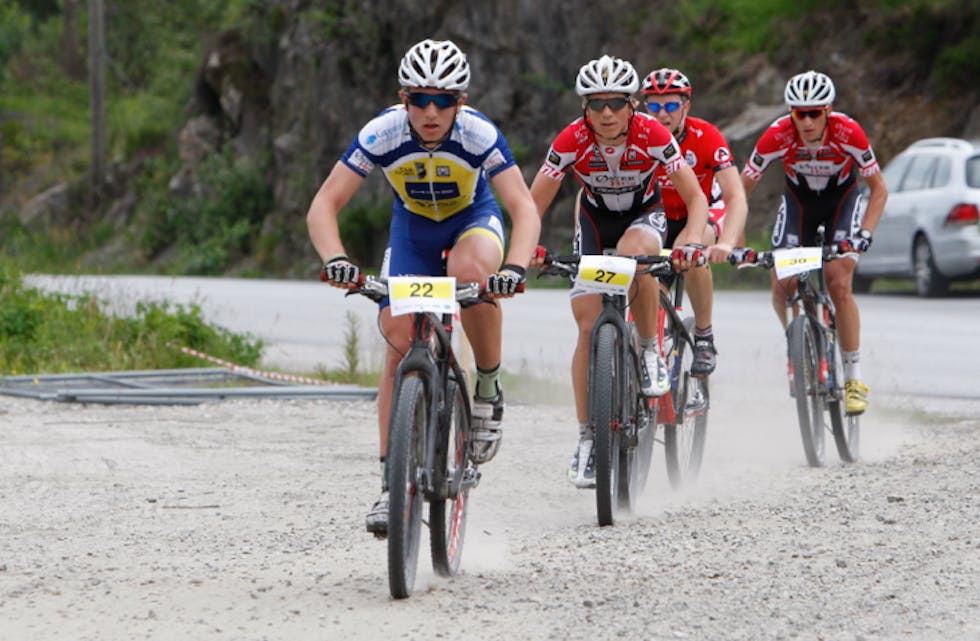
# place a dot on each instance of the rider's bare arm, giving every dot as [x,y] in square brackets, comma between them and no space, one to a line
[733,233]
[516,198]
[321,218]
[876,200]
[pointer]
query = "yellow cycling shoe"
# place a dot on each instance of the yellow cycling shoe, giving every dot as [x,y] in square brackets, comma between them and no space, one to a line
[856,396]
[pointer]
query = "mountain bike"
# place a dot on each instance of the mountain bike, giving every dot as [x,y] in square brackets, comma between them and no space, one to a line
[683,412]
[622,418]
[432,456]
[816,365]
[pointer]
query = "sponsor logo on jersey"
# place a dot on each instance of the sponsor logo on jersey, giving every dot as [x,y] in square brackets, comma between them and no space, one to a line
[494,160]
[359,160]
[757,159]
[425,192]
[691,158]
[867,156]
[442,171]
[670,151]
[420,170]
[554,158]
[722,155]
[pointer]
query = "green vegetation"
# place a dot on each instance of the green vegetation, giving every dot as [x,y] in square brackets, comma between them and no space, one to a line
[57,333]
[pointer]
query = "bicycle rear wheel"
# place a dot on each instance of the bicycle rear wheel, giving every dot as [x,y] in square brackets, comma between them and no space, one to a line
[804,354]
[847,429]
[684,440]
[448,510]
[406,457]
[604,404]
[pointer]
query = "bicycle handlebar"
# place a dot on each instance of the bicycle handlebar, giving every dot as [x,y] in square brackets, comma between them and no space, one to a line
[376,288]
[749,257]
[567,265]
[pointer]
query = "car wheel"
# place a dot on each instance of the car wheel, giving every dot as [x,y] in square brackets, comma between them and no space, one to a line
[928,281]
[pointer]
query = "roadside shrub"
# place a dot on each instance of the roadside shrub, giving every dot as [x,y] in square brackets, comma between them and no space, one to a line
[60,333]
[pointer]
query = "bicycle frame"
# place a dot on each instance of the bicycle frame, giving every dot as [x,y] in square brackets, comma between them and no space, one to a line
[430,356]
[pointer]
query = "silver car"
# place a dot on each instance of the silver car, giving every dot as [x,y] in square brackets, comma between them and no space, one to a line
[930,230]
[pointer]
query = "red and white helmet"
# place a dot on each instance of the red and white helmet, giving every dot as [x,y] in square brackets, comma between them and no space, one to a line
[437,64]
[666,81]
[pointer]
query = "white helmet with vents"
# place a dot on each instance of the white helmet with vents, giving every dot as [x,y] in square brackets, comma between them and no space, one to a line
[809,89]
[435,64]
[607,75]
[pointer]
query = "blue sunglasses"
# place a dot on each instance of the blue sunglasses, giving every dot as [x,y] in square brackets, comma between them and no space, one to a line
[441,100]
[669,107]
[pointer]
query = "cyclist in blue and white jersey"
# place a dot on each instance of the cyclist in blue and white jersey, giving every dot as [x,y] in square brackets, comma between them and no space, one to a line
[440,158]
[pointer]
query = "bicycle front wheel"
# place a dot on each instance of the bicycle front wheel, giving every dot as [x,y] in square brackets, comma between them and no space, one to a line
[453,474]
[847,429]
[684,440]
[406,458]
[804,355]
[604,404]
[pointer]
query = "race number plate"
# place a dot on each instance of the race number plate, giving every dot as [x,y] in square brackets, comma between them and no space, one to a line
[605,274]
[796,260]
[410,294]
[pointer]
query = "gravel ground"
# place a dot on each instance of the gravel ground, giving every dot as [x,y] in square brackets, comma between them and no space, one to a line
[244,520]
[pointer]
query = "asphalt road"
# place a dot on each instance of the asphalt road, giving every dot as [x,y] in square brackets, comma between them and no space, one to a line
[910,346]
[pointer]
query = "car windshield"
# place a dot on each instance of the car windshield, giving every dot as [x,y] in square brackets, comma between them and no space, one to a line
[973,172]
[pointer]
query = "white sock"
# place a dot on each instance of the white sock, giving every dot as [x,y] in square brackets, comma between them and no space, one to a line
[852,365]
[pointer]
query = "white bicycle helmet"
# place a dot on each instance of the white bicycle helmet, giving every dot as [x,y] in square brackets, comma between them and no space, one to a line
[607,75]
[809,89]
[435,64]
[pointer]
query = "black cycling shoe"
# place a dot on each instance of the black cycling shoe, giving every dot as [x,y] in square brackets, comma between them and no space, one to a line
[704,358]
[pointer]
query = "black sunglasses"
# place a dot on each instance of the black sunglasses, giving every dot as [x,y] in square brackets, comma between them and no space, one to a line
[598,104]
[441,100]
[669,107]
[812,114]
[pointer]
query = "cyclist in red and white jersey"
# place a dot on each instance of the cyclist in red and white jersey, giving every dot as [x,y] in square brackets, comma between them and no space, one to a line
[666,94]
[613,152]
[823,152]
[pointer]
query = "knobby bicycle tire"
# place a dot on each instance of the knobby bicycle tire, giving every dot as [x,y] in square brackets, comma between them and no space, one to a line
[804,354]
[604,404]
[447,516]
[406,456]
[684,440]
[847,429]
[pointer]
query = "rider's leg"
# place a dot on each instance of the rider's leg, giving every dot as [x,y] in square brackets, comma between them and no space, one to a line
[397,330]
[473,258]
[839,275]
[700,287]
[585,308]
[645,293]
[700,291]
[645,297]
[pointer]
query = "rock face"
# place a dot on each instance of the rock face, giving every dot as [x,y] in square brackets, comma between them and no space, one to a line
[295,89]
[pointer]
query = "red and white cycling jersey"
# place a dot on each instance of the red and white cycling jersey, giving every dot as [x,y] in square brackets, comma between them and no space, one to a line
[814,169]
[617,178]
[705,150]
